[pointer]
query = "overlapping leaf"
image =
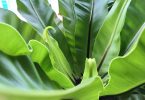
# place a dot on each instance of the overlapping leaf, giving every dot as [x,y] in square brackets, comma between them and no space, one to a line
[40,15]
[82,20]
[126,72]
[52,67]
[26,30]
[51,70]
[134,19]
[79,92]
[57,58]
[19,74]
[6,33]
[17,70]
[107,42]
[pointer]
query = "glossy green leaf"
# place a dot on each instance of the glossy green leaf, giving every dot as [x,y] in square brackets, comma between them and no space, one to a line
[126,72]
[21,48]
[26,30]
[40,14]
[20,75]
[58,60]
[50,70]
[79,92]
[17,42]
[20,72]
[82,20]
[99,13]
[134,19]
[35,12]
[17,69]
[30,87]
[107,42]
[40,54]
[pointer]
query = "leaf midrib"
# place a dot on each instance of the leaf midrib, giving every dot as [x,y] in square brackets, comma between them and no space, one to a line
[112,37]
[37,14]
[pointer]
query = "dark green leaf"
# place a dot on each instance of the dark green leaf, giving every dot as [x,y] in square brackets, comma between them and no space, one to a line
[82,20]
[134,19]
[26,30]
[40,14]
[137,93]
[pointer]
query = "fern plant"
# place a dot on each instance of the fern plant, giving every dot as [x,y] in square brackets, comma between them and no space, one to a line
[95,53]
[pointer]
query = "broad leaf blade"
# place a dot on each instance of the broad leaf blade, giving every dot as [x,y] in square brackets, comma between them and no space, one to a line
[13,72]
[81,20]
[17,70]
[128,71]
[79,92]
[8,32]
[20,72]
[99,13]
[107,42]
[40,54]
[26,30]
[134,19]
[35,12]
[40,14]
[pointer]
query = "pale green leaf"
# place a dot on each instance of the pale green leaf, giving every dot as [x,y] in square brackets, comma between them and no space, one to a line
[107,42]
[40,54]
[126,72]
[17,69]
[90,69]
[10,38]
[93,86]
[58,59]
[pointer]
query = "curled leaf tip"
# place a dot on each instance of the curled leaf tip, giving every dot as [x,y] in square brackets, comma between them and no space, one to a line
[46,32]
